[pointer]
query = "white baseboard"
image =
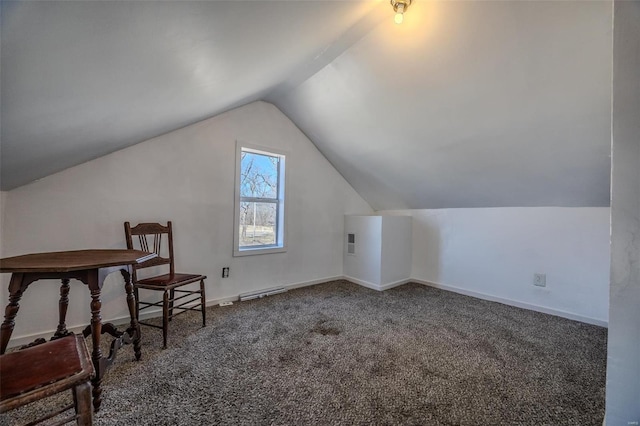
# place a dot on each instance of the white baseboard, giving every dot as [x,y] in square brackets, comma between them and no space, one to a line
[312,282]
[28,338]
[363,283]
[120,321]
[376,287]
[516,303]
[395,284]
[25,339]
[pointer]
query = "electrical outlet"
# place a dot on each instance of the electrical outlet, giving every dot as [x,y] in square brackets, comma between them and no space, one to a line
[226,303]
[225,272]
[540,280]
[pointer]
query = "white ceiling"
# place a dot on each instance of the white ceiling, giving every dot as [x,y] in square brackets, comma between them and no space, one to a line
[466,104]
[81,79]
[469,104]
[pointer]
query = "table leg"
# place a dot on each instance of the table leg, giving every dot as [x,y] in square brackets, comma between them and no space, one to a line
[16,289]
[133,313]
[62,307]
[96,332]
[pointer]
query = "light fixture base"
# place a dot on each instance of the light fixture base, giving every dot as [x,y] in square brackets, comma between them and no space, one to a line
[404,3]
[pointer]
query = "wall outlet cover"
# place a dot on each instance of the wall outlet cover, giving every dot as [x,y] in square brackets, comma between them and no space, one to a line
[540,280]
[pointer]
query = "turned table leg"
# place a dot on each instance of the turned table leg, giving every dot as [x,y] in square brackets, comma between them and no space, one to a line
[62,307]
[16,288]
[133,313]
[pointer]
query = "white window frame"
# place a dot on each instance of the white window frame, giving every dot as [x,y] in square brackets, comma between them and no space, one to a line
[281,213]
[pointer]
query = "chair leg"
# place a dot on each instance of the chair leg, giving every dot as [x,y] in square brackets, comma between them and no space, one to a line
[82,403]
[203,304]
[171,297]
[135,293]
[165,318]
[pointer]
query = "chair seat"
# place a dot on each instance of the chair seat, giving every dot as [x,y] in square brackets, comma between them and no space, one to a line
[30,374]
[169,281]
[47,363]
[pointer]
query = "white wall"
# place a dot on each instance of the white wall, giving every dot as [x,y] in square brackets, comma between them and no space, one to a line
[623,367]
[383,251]
[364,265]
[186,176]
[396,250]
[494,252]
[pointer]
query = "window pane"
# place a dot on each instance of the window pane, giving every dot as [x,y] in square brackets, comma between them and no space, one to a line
[258,175]
[257,224]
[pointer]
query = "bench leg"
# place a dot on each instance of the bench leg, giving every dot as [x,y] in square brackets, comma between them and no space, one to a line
[82,401]
[96,333]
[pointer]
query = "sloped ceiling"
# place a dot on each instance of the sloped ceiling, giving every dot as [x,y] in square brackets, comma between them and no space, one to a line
[81,79]
[467,104]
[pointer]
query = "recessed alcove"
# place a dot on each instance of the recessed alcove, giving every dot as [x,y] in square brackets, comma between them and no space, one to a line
[377,251]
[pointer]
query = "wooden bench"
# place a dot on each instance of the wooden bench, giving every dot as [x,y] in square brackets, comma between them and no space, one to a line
[30,374]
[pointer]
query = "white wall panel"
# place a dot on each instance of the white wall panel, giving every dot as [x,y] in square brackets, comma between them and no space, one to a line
[186,176]
[496,251]
[623,366]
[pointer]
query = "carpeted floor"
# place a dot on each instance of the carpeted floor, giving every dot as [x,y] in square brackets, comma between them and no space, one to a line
[341,354]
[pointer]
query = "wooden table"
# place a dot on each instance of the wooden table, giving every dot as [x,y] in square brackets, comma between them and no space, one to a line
[90,267]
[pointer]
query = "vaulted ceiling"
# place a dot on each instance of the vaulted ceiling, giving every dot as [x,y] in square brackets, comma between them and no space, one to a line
[466,104]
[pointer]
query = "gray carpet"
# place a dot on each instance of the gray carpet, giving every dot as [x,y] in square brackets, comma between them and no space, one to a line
[341,354]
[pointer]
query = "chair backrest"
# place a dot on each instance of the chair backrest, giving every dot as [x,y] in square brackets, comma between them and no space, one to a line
[150,240]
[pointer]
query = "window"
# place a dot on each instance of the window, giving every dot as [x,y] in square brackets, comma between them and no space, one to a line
[259,221]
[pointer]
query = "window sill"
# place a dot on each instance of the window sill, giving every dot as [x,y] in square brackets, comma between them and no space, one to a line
[255,251]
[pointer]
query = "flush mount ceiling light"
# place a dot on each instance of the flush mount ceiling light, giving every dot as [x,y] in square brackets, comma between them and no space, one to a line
[400,6]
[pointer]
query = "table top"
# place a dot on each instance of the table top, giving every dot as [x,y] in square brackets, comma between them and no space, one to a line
[77,260]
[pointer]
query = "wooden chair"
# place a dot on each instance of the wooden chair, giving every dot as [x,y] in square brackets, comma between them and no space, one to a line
[169,283]
[37,372]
